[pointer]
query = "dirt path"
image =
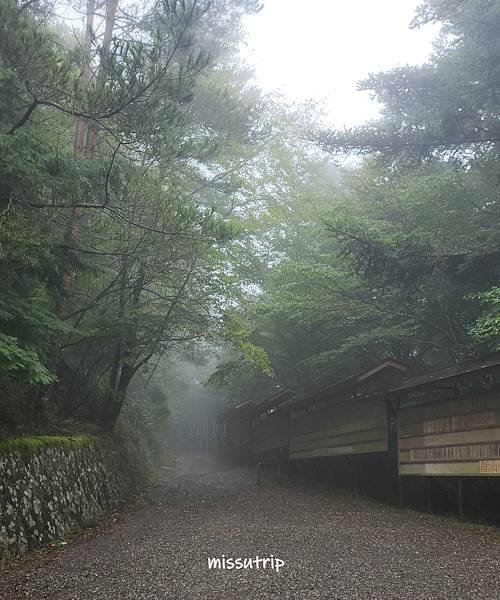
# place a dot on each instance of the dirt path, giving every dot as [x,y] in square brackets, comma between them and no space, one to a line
[334,547]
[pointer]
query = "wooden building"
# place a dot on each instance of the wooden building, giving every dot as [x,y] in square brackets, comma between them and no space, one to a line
[343,419]
[448,421]
[270,425]
[445,422]
[238,429]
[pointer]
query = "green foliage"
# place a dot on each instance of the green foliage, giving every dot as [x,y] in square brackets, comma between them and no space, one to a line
[15,361]
[487,328]
[395,258]
[112,251]
[156,201]
[147,413]
[445,109]
[33,444]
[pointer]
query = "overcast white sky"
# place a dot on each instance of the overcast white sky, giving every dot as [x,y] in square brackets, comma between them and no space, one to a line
[320,48]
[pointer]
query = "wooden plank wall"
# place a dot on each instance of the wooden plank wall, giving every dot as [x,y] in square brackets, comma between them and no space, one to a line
[203,435]
[238,433]
[343,428]
[270,433]
[452,437]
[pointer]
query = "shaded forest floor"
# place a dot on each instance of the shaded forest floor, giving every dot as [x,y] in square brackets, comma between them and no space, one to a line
[335,546]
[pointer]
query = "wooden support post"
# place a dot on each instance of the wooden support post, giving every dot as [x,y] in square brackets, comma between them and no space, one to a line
[401,490]
[428,488]
[460,498]
[388,477]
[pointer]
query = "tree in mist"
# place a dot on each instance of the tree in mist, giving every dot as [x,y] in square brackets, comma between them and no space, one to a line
[398,256]
[122,181]
[154,200]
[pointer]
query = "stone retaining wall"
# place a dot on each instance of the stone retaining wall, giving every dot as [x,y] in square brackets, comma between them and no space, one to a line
[52,486]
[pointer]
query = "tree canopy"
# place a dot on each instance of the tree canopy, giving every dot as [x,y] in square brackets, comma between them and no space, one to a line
[153,200]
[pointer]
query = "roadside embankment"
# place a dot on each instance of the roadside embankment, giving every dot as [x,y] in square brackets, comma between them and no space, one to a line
[51,486]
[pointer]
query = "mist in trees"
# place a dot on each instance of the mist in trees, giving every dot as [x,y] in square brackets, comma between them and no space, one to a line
[396,257]
[154,203]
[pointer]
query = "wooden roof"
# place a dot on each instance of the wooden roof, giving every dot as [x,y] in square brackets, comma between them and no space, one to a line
[251,407]
[277,400]
[238,411]
[458,370]
[349,383]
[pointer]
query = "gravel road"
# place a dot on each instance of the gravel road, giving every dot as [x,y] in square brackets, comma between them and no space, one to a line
[335,547]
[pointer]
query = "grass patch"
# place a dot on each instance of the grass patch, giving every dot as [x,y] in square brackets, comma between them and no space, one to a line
[33,444]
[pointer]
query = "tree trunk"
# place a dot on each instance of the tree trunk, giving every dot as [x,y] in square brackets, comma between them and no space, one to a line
[79,143]
[73,233]
[123,369]
[111,7]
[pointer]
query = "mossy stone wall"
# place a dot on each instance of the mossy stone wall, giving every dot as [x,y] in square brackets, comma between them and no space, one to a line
[51,486]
